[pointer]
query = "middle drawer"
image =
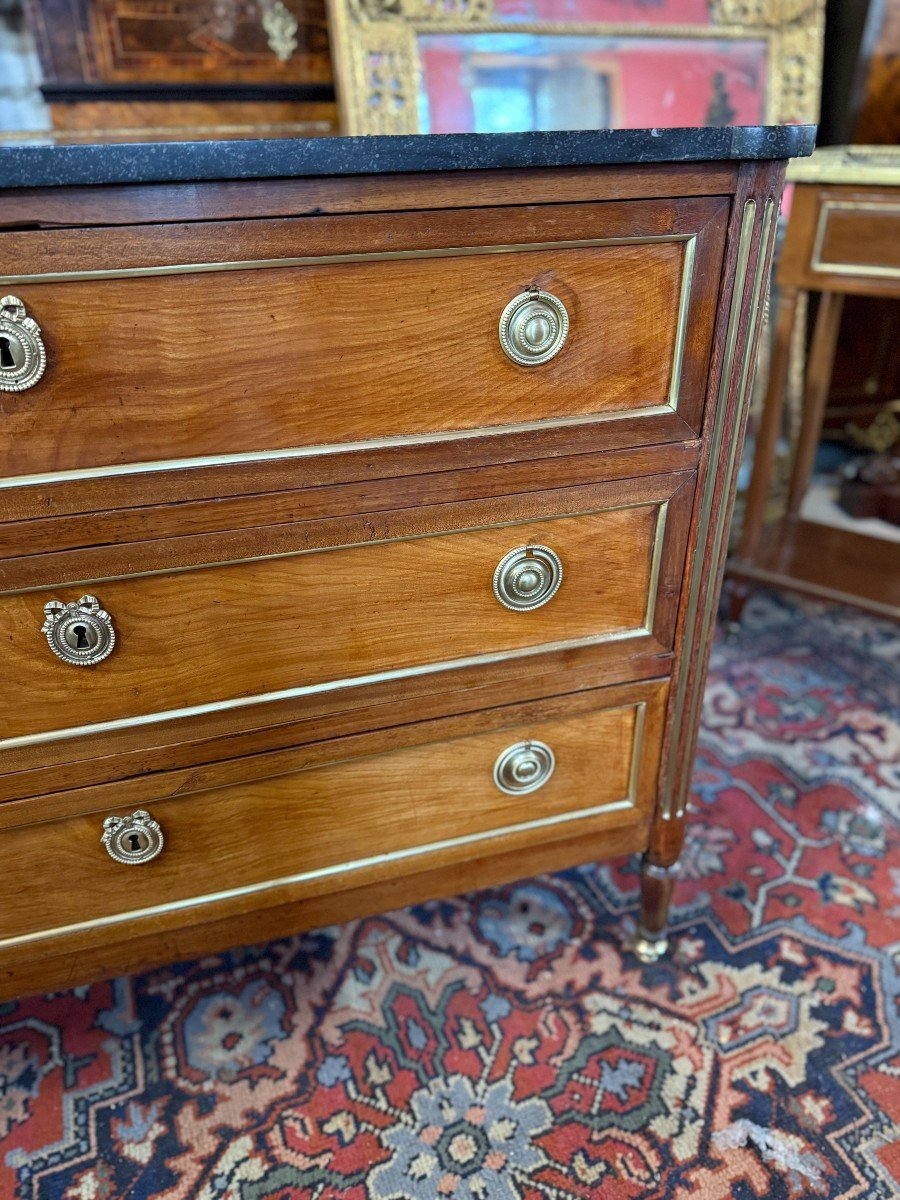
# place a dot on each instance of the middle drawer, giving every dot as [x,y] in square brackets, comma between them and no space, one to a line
[446,593]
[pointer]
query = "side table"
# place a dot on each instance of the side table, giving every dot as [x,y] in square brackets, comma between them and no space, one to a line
[843,238]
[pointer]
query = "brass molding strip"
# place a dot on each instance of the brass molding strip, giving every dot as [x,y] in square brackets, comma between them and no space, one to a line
[693,646]
[251,889]
[375,677]
[409,537]
[157,466]
[839,268]
[324,260]
[684,303]
[659,536]
[637,743]
[313,689]
[748,364]
[689,241]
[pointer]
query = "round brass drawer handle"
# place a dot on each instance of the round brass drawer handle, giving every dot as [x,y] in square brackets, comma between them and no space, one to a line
[134,839]
[524,767]
[527,577]
[533,328]
[23,358]
[80,633]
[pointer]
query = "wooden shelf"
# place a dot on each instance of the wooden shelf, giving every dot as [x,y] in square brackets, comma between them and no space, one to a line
[827,563]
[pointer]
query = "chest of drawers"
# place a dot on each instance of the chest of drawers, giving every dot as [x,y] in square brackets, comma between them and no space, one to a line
[362,518]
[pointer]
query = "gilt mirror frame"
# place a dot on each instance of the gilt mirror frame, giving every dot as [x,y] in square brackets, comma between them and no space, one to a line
[378,68]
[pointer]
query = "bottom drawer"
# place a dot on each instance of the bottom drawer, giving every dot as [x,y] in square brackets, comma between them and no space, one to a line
[560,769]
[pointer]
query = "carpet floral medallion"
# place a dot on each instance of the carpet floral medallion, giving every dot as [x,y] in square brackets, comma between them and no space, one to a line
[507,1045]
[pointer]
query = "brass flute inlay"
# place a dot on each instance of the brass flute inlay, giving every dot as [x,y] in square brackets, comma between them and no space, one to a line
[748,362]
[695,642]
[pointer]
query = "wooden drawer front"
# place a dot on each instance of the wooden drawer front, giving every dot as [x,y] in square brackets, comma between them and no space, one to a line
[324,828]
[254,631]
[388,330]
[859,237]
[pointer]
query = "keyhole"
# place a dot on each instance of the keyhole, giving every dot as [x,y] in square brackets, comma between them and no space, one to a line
[80,636]
[6,354]
[134,843]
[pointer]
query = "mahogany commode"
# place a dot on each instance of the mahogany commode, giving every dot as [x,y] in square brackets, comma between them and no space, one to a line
[362,520]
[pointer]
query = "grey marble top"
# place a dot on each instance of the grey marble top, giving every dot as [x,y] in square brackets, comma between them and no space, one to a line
[37,165]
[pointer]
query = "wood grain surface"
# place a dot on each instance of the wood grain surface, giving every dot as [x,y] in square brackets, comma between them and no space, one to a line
[289,575]
[435,800]
[62,961]
[234,200]
[309,619]
[862,233]
[853,236]
[231,362]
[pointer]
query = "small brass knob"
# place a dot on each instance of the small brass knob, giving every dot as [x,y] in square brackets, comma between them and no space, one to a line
[80,633]
[134,839]
[524,767]
[527,577]
[23,358]
[534,328]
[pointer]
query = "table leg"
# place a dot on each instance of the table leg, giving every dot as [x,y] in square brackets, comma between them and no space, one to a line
[818,380]
[651,940]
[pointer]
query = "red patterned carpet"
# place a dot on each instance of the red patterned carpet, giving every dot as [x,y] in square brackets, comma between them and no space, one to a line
[505,1045]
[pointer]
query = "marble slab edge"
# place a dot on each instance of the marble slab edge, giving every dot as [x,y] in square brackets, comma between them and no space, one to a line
[170,162]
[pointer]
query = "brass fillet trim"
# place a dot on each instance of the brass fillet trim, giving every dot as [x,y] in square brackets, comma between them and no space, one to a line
[659,535]
[823,267]
[693,642]
[209,460]
[840,268]
[375,677]
[637,745]
[320,260]
[251,889]
[385,541]
[294,452]
[313,689]
[748,363]
[684,301]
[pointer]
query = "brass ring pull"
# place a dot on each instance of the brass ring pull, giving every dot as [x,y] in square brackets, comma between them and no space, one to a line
[527,577]
[533,328]
[524,767]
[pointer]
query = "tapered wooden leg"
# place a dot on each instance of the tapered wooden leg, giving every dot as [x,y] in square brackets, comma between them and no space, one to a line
[651,940]
[737,594]
[819,366]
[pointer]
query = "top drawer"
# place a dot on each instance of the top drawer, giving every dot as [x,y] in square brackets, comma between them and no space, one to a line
[297,336]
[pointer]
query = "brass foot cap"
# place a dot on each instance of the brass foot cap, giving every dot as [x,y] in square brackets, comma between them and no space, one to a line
[649,947]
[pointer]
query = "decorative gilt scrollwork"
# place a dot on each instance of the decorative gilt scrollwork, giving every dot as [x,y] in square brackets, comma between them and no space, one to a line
[383,63]
[281,27]
[794,30]
[23,358]
[442,11]
[379,69]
